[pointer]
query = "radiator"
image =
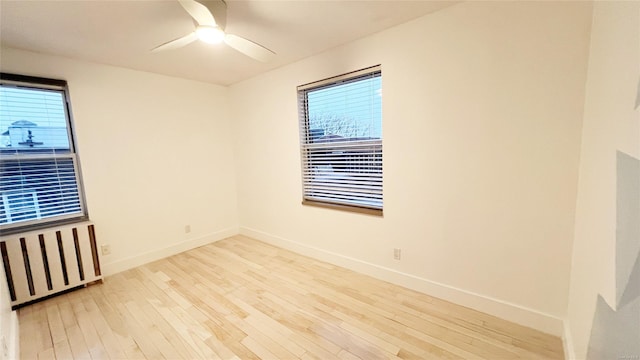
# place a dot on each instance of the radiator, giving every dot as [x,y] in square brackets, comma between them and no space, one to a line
[43,263]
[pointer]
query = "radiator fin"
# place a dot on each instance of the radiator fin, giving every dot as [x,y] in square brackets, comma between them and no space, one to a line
[7,267]
[94,250]
[63,260]
[45,261]
[27,265]
[76,242]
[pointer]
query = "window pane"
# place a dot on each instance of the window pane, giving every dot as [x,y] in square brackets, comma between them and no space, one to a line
[347,111]
[38,189]
[33,119]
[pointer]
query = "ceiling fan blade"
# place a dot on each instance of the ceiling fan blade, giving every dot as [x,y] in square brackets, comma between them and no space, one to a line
[199,12]
[177,43]
[249,48]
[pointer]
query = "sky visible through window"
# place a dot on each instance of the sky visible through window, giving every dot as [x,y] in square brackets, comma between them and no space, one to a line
[351,110]
[40,111]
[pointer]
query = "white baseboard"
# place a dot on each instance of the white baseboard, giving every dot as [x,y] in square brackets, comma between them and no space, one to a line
[131,262]
[513,312]
[567,342]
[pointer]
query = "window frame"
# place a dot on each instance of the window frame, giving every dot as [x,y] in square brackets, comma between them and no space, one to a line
[306,143]
[48,84]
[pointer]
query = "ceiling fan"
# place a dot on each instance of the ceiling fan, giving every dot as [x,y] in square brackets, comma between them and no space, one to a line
[212,32]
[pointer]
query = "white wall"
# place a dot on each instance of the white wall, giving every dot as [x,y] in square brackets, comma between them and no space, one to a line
[482,110]
[156,155]
[610,124]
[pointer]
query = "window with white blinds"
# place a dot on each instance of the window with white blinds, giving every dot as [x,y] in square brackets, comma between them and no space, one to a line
[341,140]
[39,177]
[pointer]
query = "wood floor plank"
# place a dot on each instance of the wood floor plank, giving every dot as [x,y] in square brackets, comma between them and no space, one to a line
[91,337]
[258,349]
[116,328]
[56,326]
[240,298]
[76,341]
[109,341]
[41,339]
[133,334]
[48,354]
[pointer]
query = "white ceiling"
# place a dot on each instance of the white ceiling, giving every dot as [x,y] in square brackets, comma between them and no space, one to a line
[121,33]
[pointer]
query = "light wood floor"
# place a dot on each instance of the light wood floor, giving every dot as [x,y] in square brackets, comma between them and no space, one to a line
[240,298]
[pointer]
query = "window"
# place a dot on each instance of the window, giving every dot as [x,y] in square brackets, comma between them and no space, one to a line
[39,176]
[341,141]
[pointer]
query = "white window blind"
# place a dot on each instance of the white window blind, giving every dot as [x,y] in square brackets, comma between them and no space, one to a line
[39,178]
[341,139]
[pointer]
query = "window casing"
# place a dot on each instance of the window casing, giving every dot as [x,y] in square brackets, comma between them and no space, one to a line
[40,181]
[341,141]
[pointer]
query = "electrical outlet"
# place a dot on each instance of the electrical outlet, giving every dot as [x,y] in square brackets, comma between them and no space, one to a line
[397,253]
[105,249]
[187,229]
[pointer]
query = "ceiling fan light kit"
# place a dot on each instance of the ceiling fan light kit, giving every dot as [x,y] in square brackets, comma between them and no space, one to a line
[209,32]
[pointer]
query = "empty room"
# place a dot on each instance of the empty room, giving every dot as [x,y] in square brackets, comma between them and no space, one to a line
[315,179]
